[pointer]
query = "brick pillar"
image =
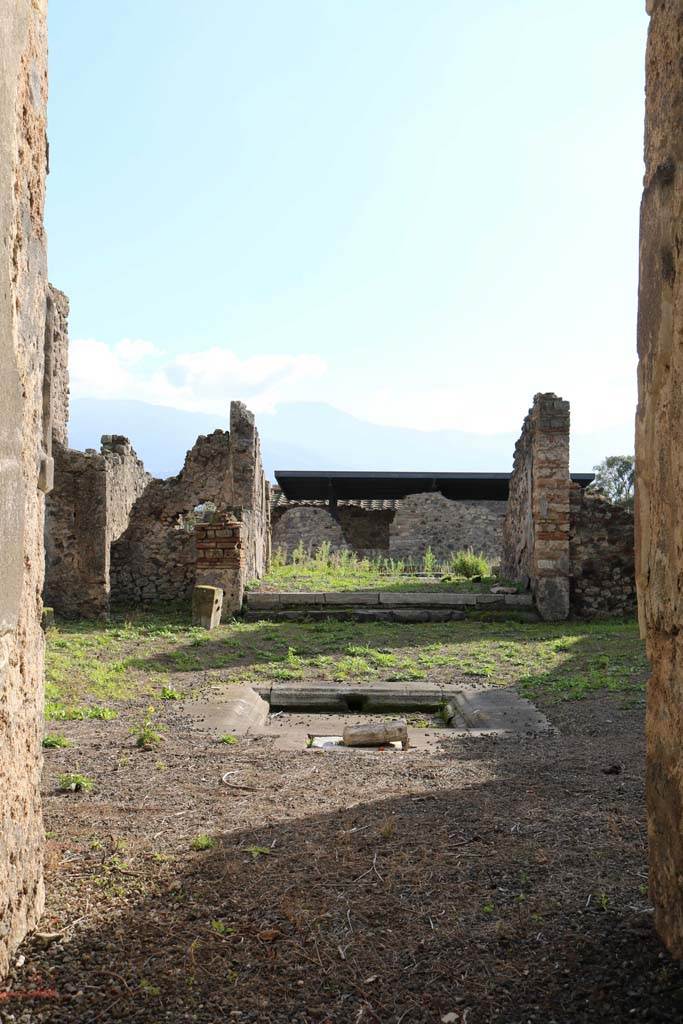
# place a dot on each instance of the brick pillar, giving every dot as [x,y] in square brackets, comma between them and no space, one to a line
[220,558]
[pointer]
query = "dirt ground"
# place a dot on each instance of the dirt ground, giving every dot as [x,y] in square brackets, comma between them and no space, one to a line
[490,881]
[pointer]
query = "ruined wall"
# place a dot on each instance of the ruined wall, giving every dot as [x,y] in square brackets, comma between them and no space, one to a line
[309,526]
[59,405]
[154,559]
[25,464]
[536,528]
[87,510]
[366,530]
[601,556]
[430,520]
[402,528]
[250,490]
[659,457]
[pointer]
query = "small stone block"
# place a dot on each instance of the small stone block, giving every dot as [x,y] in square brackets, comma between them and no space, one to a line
[207,604]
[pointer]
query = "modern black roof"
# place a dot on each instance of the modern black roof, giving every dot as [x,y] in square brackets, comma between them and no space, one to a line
[317,485]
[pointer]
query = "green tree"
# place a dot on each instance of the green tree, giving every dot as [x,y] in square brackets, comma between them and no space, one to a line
[615,478]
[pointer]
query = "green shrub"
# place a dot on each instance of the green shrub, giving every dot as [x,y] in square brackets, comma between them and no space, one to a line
[200,843]
[54,740]
[299,554]
[322,554]
[148,732]
[429,562]
[74,782]
[468,564]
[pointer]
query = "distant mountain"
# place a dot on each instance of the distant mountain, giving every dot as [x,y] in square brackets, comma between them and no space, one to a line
[309,435]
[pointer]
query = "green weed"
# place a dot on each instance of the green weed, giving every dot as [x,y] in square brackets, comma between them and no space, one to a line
[53,740]
[74,782]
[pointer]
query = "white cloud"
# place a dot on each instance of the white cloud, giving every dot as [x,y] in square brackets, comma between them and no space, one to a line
[134,350]
[198,381]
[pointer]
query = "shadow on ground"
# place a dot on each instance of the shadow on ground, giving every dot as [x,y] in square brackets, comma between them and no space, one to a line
[518,896]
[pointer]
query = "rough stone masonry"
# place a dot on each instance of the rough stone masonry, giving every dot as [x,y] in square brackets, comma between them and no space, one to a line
[659,458]
[25,459]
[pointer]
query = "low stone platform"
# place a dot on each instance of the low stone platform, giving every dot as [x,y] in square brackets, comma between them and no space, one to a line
[387,606]
[291,713]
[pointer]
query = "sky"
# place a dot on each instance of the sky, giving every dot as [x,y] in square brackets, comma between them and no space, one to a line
[421,213]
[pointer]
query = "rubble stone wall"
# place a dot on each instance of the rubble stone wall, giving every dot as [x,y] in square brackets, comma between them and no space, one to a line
[445,526]
[60,366]
[155,558]
[601,556]
[404,532]
[366,530]
[536,527]
[25,466]
[307,525]
[659,452]
[87,510]
[250,490]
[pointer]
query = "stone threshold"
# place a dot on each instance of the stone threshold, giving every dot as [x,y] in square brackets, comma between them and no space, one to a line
[382,606]
[281,599]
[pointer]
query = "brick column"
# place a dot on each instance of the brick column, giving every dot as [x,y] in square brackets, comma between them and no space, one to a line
[220,558]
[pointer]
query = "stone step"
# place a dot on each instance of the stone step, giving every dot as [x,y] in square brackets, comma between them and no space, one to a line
[357,615]
[295,600]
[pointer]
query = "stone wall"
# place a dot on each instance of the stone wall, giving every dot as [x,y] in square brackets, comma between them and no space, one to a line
[250,490]
[536,527]
[366,530]
[60,366]
[430,520]
[659,455]
[403,528]
[154,560]
[88,509]
[25,467]
[601,556]
[307,525]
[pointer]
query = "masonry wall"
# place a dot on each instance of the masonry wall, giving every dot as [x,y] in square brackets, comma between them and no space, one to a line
[601,556]
[59,405]
[659,456]
[25,462]
[307,525]
[365,530]
[250,490]
[403,532]
[88,509]
[155,559]
[536,527]
[430,520]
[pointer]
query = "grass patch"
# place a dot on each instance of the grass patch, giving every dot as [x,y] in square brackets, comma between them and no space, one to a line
[344,570]
[200,843]
[53,741]
[546,661]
